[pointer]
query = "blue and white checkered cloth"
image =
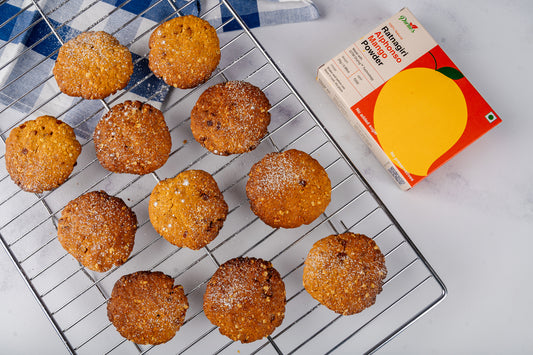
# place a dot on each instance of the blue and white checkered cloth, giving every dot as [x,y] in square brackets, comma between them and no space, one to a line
[28,48]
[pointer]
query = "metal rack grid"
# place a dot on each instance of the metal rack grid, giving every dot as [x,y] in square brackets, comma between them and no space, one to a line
[74,299]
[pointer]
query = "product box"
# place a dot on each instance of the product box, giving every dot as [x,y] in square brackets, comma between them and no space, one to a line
[408,101]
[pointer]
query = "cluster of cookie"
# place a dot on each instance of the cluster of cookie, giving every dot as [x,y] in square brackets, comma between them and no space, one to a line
[184,51]
[245,297]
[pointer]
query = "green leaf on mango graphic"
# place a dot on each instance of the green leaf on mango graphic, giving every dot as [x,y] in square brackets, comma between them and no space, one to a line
[420,113]
[451,73]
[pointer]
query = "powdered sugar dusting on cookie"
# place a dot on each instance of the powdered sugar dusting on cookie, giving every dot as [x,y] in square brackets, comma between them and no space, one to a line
[355,270]
[277,173]
[41,153]
[190,209]
[184,51]
[146,307]
[93,65]
[231,117]
[98,230]
[245,298]
[132,138]
[288,189]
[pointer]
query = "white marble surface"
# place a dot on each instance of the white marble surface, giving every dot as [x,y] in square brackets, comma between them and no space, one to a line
[472,219]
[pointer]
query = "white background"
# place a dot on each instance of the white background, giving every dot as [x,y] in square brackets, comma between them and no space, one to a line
[472,219]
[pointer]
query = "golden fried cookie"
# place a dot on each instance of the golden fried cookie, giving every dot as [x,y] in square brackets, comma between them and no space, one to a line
[188,210]
[146,308]
[245,298]
[230,118]
[93,65]
[41,154]
[345,272]
[98,230]
[288,189]
[184,51]
[132,138]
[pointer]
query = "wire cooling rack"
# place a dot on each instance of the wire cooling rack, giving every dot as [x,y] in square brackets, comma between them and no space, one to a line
[74,298]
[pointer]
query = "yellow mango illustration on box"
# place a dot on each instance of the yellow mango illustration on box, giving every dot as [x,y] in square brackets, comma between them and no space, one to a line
[425,105]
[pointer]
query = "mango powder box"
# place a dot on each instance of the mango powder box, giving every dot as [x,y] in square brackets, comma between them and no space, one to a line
[409,102]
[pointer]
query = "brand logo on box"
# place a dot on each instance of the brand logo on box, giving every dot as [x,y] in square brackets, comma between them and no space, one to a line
[411,26]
